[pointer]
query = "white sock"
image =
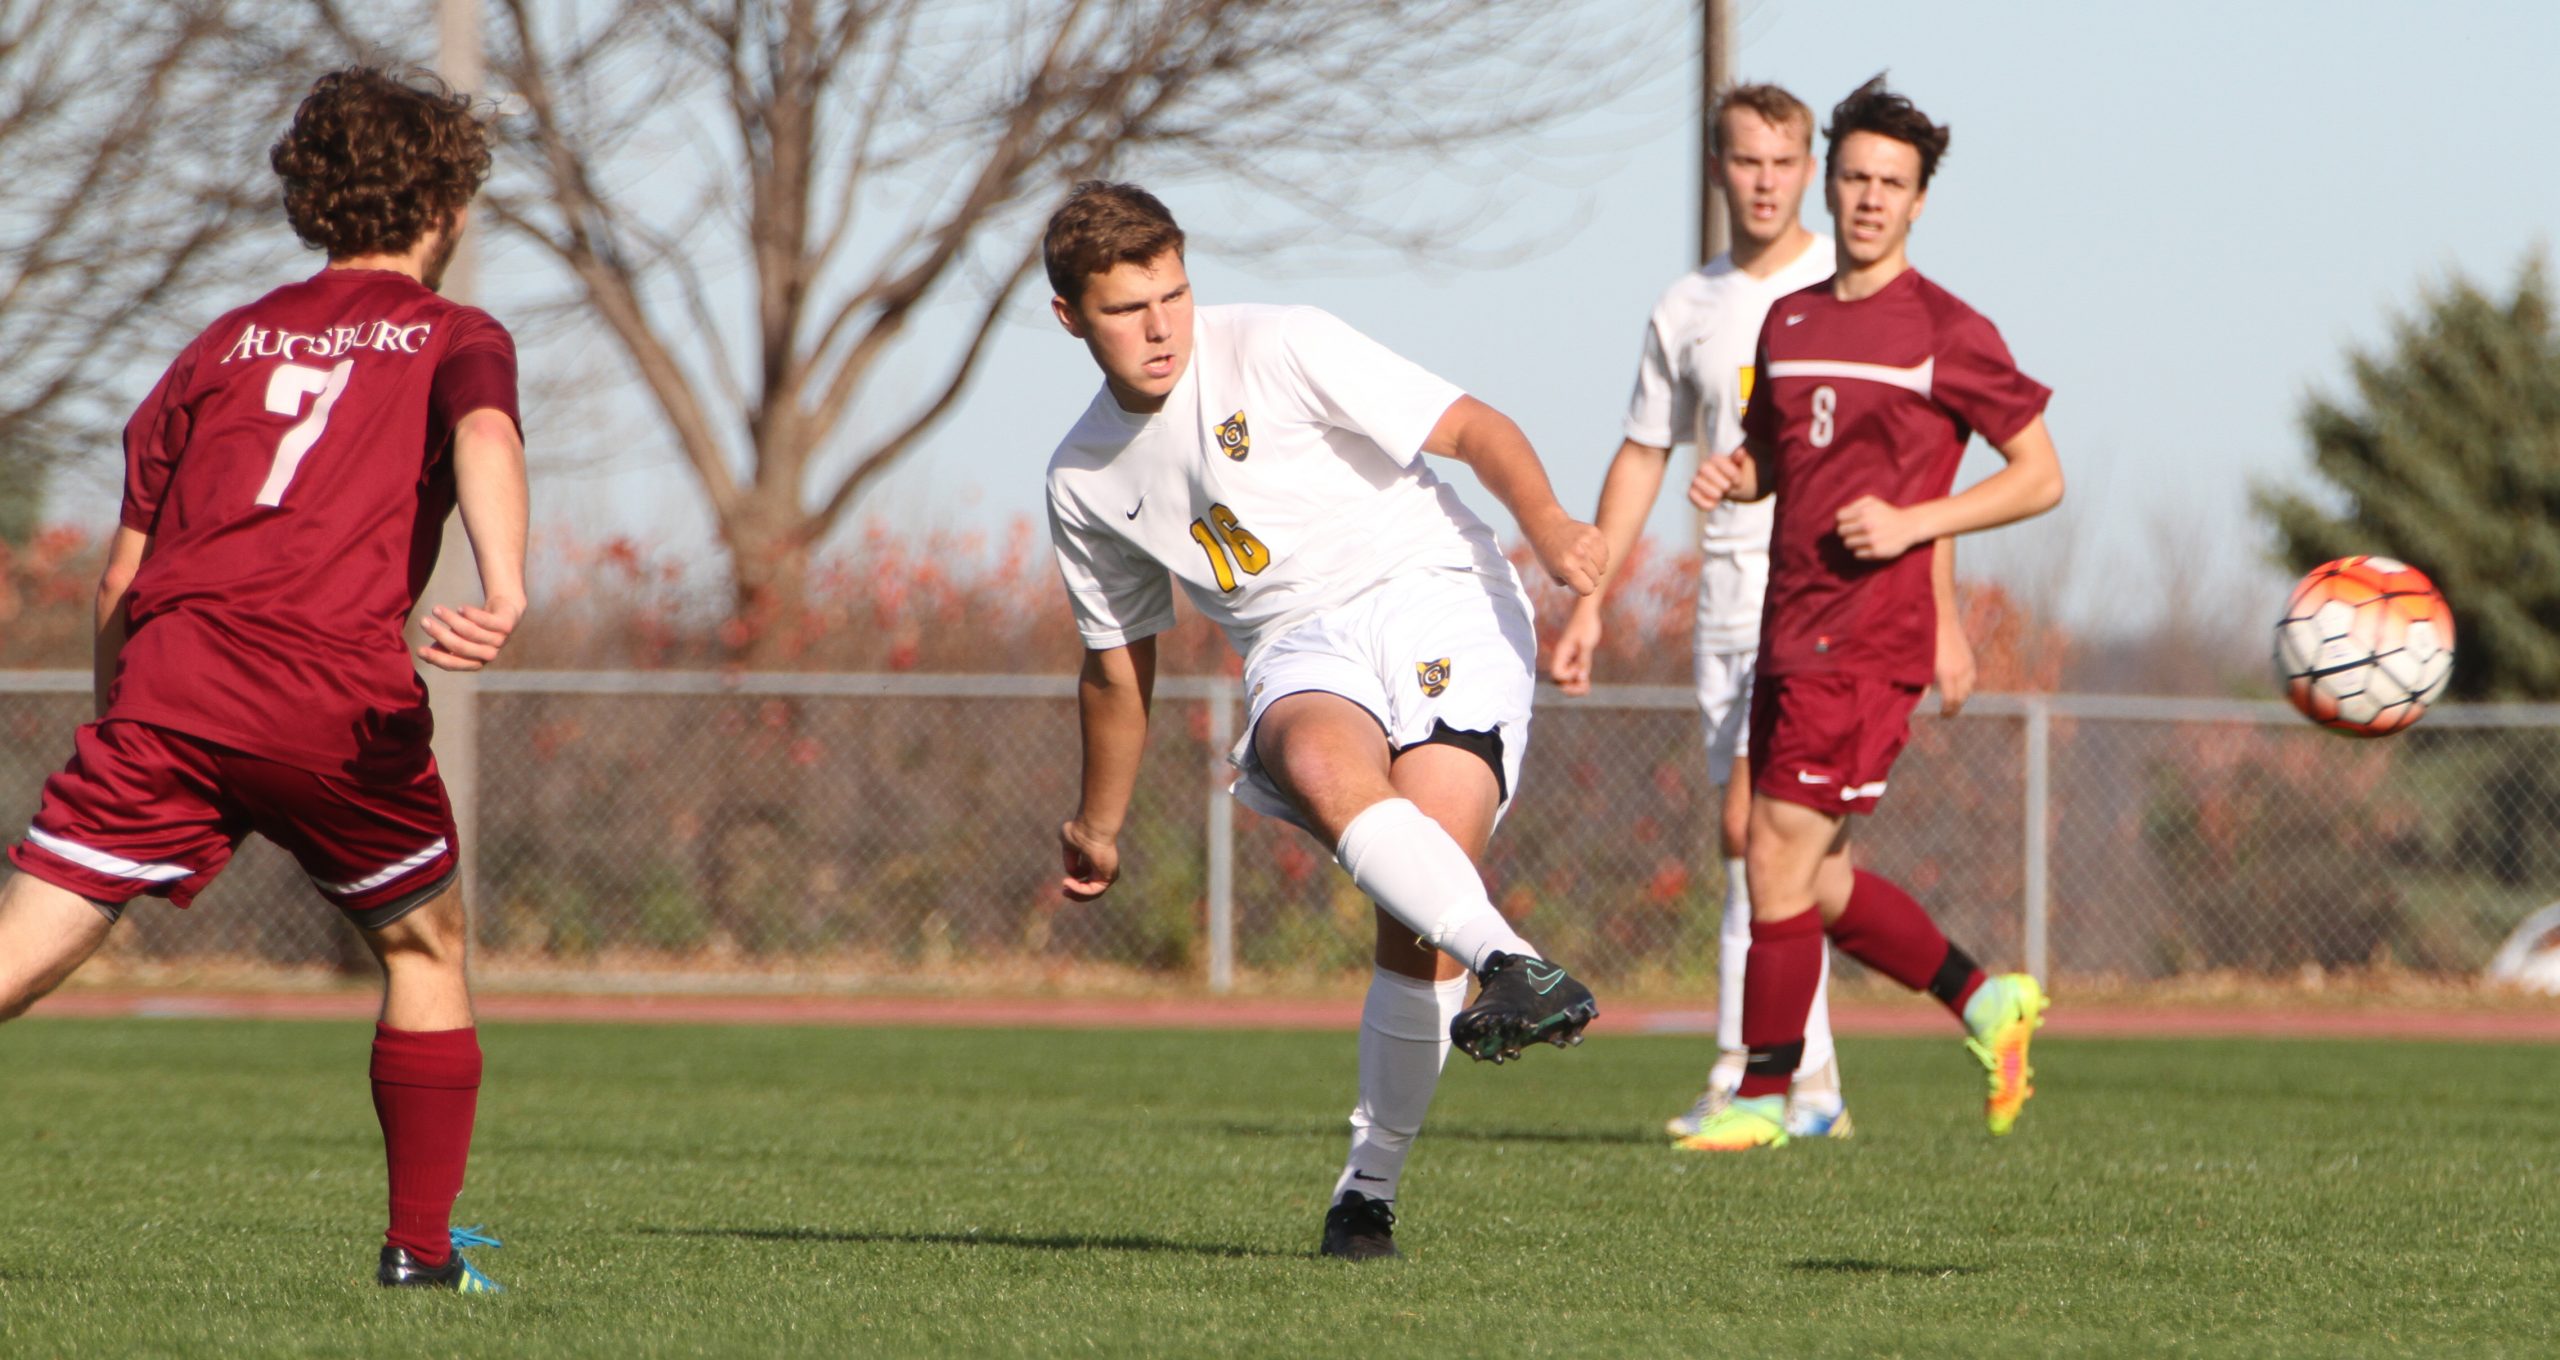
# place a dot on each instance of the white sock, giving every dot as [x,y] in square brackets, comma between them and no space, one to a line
[1733,950]
[1416,871]
[1817,1022]
[1404,1038]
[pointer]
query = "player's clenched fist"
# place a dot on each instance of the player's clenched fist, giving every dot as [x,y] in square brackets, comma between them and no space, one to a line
[1092,861]
[1573,552]
[1717,475]
[1874,530]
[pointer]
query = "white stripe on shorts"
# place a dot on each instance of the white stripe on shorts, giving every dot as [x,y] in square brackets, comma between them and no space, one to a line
[376,880]
[105,863]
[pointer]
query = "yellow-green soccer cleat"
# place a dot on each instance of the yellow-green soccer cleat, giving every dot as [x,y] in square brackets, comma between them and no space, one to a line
[1759,1121]
[2002,1017]
[1814,1106]
[1722,1080]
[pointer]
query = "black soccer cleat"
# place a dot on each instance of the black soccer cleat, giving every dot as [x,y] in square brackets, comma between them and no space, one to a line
[1522,1001]
[1358,1228]
[400,1270]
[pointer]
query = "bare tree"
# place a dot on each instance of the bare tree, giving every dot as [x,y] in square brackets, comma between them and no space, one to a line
[866,176]
[131,141]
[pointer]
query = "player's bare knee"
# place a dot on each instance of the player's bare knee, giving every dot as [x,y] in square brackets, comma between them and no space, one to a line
[20,990]
[1329,787]
[1327,755]
[432,933]
[17,994]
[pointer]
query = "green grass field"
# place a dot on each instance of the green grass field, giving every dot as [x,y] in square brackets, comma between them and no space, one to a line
[183,1187]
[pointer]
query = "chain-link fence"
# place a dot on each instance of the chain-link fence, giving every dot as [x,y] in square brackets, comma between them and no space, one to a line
[657,829]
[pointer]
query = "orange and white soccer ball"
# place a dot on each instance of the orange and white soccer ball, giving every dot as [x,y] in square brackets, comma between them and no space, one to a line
[2366,643]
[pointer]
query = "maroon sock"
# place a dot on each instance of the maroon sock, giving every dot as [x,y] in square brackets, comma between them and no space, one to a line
[1778,979]
[426,1085]
[1887,931]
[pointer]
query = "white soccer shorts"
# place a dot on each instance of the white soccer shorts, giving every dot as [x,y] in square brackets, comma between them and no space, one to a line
[1724,701]
[1437,647]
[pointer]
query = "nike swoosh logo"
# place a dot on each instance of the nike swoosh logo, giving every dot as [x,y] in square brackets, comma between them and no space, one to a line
[1809,777]
[1796,318]
[1365,1176]
[1545,982]
[1133,510]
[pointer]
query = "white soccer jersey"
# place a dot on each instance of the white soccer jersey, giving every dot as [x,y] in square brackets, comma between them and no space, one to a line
[1691,386]
[1283,477]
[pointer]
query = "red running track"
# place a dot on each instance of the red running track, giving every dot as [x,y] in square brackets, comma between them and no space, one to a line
[1265,1013]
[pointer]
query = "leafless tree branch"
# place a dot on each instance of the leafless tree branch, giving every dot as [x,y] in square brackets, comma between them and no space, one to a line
[131,133]
[876,168]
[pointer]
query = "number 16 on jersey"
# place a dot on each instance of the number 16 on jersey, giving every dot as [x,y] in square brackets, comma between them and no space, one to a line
[1222,527]
[287,387]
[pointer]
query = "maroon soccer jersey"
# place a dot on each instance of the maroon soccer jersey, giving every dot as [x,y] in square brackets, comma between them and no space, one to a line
[1872,397]
[291,471]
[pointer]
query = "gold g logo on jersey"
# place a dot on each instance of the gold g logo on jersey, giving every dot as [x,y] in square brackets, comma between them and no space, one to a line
[1434,676]
[1234,440]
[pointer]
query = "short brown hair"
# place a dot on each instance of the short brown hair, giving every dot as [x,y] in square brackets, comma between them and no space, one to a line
[1771,102]
[373,161]
[1100,226]
[1873,108]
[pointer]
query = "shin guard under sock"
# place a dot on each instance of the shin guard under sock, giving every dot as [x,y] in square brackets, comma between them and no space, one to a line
[1404,1039]
[1887,931]
[426,1088]
[1415,871]
[1778,985]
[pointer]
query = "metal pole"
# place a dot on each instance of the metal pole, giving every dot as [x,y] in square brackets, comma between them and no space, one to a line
[455,697]
[2038,837]
[1716,73]
[1222,840]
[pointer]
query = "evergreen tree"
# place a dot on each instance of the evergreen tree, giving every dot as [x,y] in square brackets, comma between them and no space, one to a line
[2449,460]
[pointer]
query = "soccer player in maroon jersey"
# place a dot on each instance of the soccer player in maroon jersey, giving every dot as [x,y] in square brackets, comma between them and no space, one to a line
[1869,387]
[286,487]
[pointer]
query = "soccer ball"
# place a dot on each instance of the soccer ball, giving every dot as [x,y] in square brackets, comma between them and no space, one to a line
[2365,644]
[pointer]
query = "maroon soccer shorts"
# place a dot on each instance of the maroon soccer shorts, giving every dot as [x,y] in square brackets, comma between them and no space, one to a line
[144,810]
[1827,741]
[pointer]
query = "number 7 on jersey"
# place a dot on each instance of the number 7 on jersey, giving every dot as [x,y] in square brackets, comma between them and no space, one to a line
[286,388]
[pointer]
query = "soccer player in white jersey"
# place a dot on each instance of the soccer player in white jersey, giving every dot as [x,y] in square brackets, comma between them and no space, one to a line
[1269,459]
[1692,383]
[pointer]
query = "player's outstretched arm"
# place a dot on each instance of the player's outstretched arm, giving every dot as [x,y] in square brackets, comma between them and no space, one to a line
[1113,694]
[2030,485]
[489,482]
[124,557]
[1499,454]
[1626,497]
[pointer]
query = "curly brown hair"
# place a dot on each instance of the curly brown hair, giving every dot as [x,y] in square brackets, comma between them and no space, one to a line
[1873,108]
[373,161]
